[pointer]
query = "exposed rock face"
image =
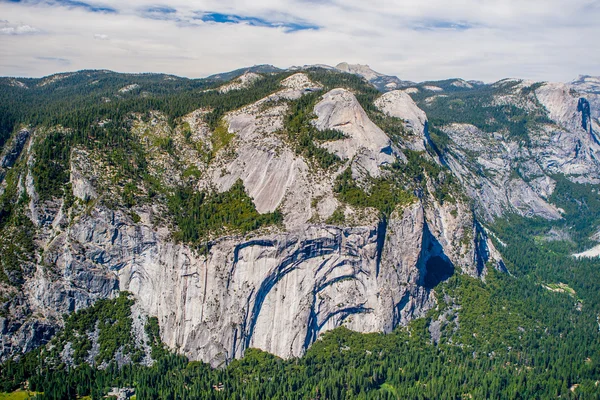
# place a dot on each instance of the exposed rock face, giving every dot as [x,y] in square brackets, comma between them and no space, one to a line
[483,162]
[82,188]
[362,70]
[340,110]
[382,82]
[129,88]
[14,149]
[399,104]
[272,173]
[298,82]
[460,83]
[503,175]
[240,82]
[11,152]
[277,289]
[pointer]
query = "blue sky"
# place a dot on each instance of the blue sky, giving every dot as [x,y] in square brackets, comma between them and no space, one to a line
[413,39]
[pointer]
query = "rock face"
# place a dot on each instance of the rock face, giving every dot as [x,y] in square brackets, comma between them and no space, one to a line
[382,82]
[280,287]
[277,289]
[12,153]
[340,110]
[503,176]
[497,190]
[240,82]
[399,104]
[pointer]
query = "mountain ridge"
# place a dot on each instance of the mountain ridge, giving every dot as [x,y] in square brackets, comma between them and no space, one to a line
[307,191]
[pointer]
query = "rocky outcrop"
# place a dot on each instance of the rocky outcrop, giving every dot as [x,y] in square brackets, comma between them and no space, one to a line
[277,292]
[340,110]
[13,151]
[277,289]
[485,163]
[82,187]
[241,82]
[273,174]
[503,175]
[382,82]
[399,104]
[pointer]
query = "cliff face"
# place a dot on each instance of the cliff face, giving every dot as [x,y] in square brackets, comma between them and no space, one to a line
[508,173]
[278,288]
[276,292]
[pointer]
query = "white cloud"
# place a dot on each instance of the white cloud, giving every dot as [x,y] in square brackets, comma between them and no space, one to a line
[15,29]
[416,40]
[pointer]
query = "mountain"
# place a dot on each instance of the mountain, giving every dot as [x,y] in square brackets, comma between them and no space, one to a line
[257,69]
[382,82]
[587,84]
[147,215]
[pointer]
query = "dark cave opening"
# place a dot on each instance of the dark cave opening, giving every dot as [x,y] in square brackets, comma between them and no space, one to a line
[438,269]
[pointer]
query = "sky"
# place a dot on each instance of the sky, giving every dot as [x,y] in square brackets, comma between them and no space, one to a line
[417,40]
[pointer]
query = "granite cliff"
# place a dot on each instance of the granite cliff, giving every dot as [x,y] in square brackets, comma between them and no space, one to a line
[330,261]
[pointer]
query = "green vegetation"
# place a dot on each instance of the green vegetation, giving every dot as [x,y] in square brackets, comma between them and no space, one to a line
[303,134]
[18,395]
[16,248]
[186,131]
[111,319]
[153,331]
[198,214]
[114,141]
[51,168]
[16,242]
[220,138]
[560,288]
[192,171]
[384,194]
[476,107]
[418,170]
[581,203]
[337,218]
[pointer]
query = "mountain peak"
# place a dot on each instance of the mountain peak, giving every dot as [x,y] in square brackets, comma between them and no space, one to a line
[382,82]
[587,84]
[359,69]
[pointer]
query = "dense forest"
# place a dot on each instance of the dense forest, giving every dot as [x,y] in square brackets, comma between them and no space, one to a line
[533,332]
